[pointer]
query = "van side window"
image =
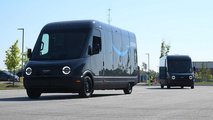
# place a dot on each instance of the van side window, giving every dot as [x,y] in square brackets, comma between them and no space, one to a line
[96,44]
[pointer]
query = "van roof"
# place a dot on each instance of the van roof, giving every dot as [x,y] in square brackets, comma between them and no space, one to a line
[82,24]
[172,57]
[70,24]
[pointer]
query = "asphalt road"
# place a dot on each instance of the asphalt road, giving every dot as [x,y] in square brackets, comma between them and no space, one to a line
[145,103]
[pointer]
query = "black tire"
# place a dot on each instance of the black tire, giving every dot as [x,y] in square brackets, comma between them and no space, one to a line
[192,85]
[168,86]
[162,86]
[128,89]
[182,87]
[87,88]
[33,93]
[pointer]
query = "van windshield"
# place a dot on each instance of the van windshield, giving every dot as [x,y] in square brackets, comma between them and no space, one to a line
[60,44]
[179,66]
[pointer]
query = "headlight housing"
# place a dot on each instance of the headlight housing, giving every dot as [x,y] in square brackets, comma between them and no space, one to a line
[173,77]
[190,77]
[28,71]
[66,70]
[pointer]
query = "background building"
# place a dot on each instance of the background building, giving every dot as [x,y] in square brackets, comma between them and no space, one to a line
[206,64]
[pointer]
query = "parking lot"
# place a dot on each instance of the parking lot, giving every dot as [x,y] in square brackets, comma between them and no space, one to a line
[145,103]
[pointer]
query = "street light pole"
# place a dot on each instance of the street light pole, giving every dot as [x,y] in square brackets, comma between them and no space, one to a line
[22,51]
[148,61]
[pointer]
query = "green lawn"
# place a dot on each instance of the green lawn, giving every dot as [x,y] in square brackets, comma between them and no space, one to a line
[204,83]
[9,86]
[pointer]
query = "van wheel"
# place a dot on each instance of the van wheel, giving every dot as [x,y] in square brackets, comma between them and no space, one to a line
[182,87]
[33,93]
[162,86]
[192,87]
[128,89]
[168,87]
[87,88]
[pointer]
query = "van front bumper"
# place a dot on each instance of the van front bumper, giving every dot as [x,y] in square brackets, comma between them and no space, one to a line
[53,84]
[180,82]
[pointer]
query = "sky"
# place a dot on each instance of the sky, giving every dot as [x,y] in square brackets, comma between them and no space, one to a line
[186,25]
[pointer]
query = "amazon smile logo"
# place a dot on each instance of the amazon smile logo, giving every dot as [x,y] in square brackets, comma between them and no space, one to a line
[120,53]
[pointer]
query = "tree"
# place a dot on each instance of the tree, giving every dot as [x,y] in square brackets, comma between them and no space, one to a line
[164,49]
[203,74]
[208,74]
[13,59]
[144,66]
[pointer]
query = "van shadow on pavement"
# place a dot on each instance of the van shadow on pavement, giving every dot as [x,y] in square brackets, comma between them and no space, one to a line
[54,97]
[172,88]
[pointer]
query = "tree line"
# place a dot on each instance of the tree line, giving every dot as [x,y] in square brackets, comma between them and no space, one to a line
[13,62]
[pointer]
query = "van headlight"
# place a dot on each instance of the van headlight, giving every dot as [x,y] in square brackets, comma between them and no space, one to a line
[28,71]
[66,70]
[190,77]
[173,77]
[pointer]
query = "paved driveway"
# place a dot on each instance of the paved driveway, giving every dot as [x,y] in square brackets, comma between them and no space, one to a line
[145,103]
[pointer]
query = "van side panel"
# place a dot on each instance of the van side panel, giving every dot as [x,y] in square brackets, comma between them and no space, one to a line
[120,59]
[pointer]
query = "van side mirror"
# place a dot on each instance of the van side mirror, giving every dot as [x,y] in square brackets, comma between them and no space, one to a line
[29,53]
[194,69]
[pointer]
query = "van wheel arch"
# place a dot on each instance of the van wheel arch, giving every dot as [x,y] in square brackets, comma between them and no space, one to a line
[87,88]
[88,73]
